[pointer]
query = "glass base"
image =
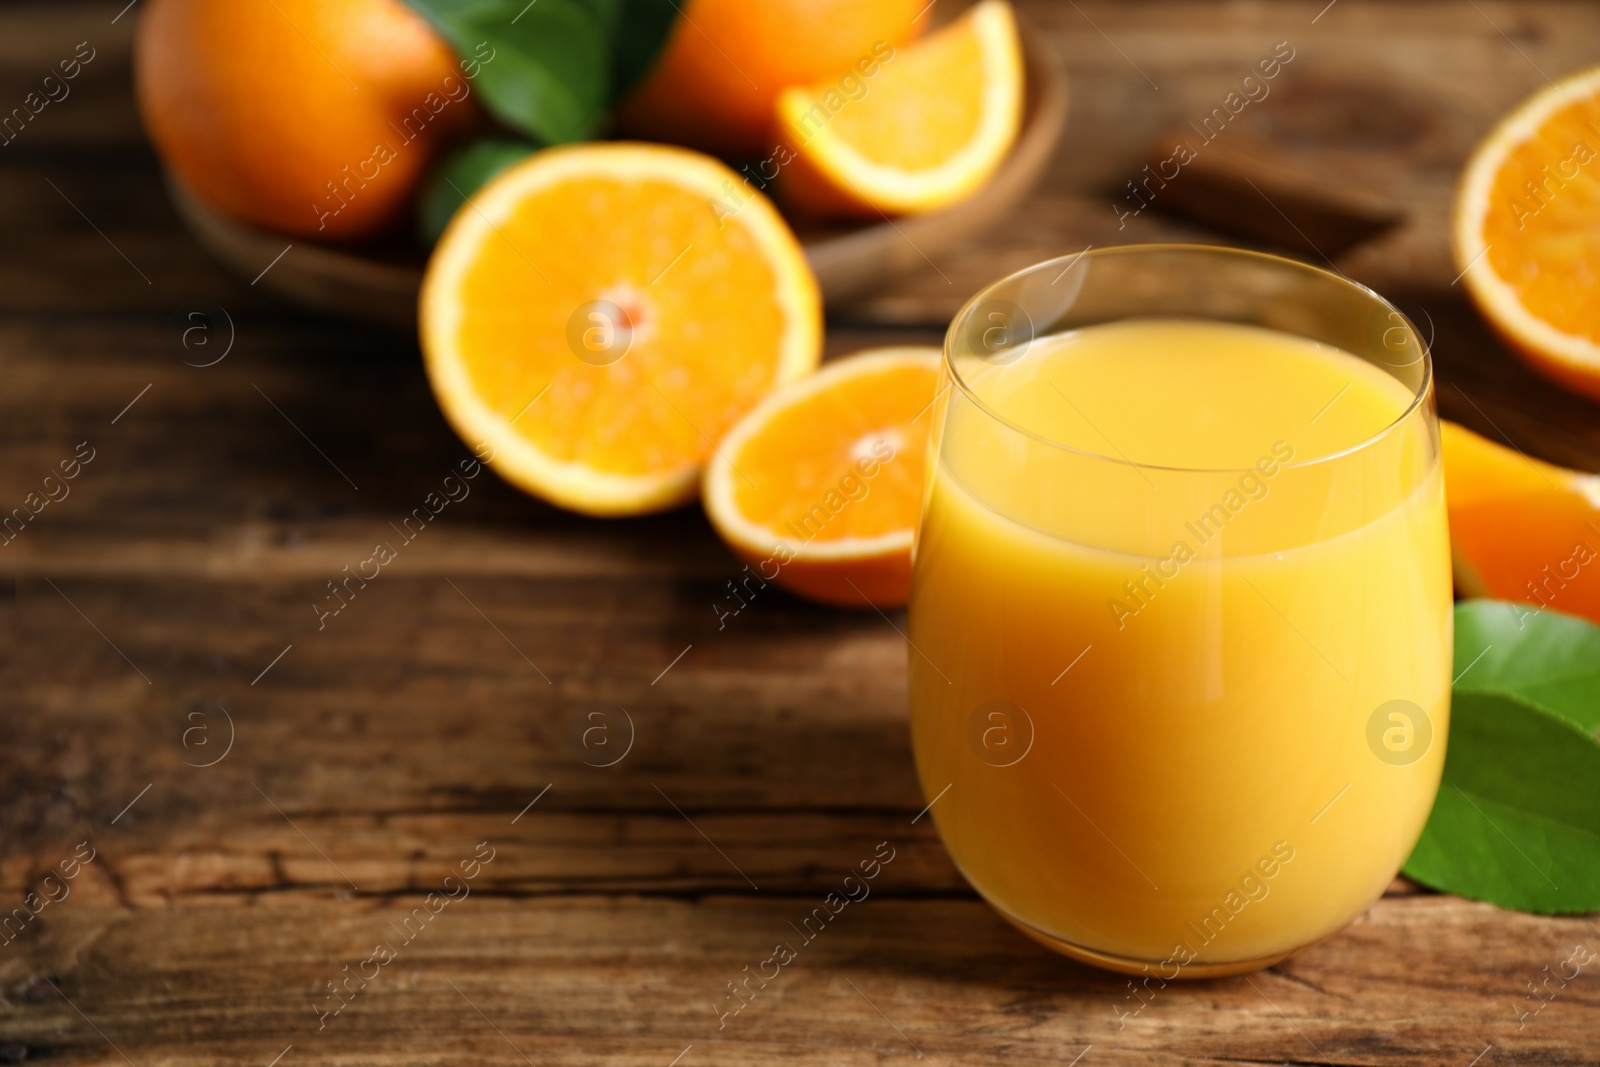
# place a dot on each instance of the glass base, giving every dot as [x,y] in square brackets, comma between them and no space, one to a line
[1133,965]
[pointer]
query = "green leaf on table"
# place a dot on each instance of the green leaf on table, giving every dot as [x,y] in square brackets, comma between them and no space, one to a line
[551,69]
[1543,657]
[459,175]
[1517,822]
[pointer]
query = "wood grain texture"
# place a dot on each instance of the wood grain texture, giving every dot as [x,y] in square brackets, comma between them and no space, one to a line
[637,980]
[371,752]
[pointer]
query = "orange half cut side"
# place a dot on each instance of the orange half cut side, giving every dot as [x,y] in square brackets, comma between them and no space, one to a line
[594,320]
[1527,230]
[819,487]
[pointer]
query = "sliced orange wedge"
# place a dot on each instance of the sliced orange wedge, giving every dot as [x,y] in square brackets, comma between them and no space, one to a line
[596,323]
[1527,230]
[929,126]
[819,487]
[1521,529]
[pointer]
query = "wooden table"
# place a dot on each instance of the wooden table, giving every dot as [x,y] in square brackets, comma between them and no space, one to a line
[267,800]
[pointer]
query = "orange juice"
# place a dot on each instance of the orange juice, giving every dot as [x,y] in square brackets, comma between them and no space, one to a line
[1181,635]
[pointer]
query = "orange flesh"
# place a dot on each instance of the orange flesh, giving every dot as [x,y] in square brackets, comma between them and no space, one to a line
[823,445]
[717,80]
[701,296]
[1521,529]
[1542,227]
[920,107]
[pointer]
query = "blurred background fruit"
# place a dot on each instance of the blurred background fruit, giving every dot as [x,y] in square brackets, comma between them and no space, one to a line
[818,488]
[591,322]
[312,117]
[1526,216]
[928,128]
[715,84]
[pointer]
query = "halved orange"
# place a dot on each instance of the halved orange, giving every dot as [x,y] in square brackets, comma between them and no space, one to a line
[595,320]
[819,487]
[1520,528]
[927,128]
[1527,230]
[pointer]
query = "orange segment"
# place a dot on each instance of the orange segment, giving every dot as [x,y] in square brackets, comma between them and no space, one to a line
[599,325]
[1527,229]
[715,83]
[929,126]
[937,94]
[1521,529]
[818,488]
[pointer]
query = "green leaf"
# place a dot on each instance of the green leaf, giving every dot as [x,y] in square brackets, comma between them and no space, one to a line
[551,69]
[544,70]
[638,30]
[549,77]
[1543,657]
[1517,822]
[459,175]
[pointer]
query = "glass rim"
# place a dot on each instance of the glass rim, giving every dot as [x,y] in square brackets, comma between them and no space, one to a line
[1419,394]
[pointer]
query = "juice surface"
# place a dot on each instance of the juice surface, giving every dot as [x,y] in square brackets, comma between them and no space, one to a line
[1146,697]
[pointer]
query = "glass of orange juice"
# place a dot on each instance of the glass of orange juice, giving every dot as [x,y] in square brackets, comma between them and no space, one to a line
[1180,619]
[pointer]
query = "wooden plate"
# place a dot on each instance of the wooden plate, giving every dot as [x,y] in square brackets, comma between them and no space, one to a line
[381,288]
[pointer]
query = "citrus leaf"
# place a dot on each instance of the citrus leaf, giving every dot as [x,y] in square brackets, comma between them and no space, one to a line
[551,69]
[459,175]
[545,69]
[554,80]
[1517,822]
[1543,657]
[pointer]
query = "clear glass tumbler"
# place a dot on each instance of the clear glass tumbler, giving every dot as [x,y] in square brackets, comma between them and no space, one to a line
[1180,618]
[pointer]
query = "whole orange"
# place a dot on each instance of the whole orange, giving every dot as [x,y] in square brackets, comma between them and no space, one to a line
[313,117]
[716,83]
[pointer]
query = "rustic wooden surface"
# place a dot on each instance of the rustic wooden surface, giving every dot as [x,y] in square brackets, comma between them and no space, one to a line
[368,759]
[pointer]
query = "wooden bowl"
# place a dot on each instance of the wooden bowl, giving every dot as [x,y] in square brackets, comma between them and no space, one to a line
[381,287]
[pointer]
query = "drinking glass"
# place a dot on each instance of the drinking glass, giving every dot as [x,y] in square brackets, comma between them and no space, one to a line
[1179,719]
